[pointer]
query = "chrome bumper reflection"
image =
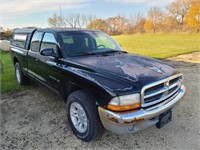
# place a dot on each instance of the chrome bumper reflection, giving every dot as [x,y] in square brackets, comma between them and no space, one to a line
[139,120]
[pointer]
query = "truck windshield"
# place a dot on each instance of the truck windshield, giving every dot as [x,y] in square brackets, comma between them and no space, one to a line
[84,42]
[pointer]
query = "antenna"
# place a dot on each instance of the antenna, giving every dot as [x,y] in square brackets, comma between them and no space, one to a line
[60,11]
[61,23]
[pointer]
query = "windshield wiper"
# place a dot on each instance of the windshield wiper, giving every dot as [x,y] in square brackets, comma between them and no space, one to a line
[81,53]
[111,51]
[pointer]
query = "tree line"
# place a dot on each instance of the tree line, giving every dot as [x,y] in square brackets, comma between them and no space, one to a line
[178,16]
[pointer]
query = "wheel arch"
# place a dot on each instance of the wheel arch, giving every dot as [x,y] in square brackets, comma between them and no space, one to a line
[15,60]
[101,96]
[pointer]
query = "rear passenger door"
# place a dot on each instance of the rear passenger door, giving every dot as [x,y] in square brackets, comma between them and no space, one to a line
[33,53]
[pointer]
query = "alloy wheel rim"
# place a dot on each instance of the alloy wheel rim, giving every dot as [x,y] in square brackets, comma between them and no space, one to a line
[18,75]
[78,117]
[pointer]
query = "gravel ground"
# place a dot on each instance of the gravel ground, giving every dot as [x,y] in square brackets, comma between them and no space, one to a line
[36,119]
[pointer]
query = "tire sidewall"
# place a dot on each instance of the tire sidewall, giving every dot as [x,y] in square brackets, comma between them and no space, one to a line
[89,127]
[17,66]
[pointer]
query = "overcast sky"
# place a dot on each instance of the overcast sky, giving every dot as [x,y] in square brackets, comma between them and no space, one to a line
[21,13]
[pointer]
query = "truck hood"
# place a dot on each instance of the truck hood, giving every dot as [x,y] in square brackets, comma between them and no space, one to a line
[127,68]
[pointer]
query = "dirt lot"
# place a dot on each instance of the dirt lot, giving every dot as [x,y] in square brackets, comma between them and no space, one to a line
[36,119]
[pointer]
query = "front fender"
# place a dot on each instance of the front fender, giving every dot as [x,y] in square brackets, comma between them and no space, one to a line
[88,81]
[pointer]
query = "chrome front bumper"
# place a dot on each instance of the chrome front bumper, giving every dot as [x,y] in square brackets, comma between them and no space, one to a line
[139,120]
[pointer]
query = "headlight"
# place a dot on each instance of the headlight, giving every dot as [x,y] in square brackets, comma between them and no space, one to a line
[123,103]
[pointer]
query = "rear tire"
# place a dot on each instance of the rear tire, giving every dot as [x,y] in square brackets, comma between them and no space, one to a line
[83,116]
[20,77]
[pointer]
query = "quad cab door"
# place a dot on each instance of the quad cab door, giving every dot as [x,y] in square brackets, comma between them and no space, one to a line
[32,55]
[47,69]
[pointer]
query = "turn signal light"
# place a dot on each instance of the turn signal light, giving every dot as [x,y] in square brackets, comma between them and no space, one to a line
[123,108]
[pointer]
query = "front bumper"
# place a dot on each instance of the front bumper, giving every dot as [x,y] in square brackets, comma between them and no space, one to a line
[139,120]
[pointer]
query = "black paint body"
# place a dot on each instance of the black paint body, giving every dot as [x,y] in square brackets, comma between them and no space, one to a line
[105,75]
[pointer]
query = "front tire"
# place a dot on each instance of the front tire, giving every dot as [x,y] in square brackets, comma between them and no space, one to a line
[20,77]
[83,116]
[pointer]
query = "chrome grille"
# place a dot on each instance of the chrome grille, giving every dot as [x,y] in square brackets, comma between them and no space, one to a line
[157,92]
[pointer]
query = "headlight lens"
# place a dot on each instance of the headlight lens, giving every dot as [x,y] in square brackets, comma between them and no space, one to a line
[123,103]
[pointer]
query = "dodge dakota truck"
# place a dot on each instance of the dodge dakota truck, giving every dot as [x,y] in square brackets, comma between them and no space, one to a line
[104,87]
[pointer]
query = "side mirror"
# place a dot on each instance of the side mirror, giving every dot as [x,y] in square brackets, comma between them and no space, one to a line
[48,52]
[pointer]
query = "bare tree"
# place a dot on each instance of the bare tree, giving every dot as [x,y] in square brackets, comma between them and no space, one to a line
[116,25]
[55,21]
[154,20]
[178,9]
[85,20]
[90,18]
[134,18]
[82,22]
[72,20]
[135,22]
[98,24]
[139,27]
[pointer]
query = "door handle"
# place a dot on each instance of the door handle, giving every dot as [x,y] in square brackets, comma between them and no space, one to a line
[36,60]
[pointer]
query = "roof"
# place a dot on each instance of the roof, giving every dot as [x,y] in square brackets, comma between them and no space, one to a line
[51,29]
[67,29]
[24,30]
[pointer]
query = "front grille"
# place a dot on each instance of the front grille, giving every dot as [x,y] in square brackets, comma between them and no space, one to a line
[158,92]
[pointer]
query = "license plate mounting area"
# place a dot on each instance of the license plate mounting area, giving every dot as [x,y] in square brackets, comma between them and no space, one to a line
[164,119]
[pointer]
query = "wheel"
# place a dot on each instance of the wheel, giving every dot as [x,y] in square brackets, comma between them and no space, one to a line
[20,77]
[83,116]
[101,46]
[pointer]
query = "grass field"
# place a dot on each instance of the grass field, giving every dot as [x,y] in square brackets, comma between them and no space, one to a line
[8,83]
[157,46]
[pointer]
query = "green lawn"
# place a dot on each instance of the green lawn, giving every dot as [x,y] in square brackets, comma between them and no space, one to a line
[8,83]
[160,45]
[157,46]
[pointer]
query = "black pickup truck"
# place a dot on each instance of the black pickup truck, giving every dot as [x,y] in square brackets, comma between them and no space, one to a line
[103,85]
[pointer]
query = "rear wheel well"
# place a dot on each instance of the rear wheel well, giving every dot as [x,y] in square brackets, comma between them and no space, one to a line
[15,60]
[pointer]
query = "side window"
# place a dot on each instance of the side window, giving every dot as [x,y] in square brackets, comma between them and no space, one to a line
[49,41]
[19,40]
[35,42]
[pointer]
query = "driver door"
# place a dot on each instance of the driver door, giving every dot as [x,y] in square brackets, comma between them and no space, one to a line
[49,68]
